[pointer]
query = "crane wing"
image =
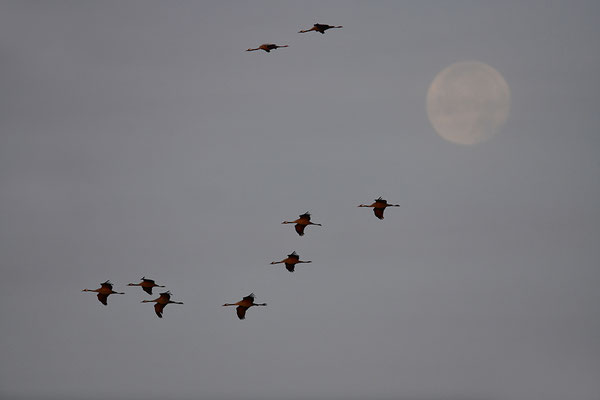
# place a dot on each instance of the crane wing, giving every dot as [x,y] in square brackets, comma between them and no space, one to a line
[147,289]
[158,309]
[300,229]
[103,298]
[378,212]
[241,312]
[290,267]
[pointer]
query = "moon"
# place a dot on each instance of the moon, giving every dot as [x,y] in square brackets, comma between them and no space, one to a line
[468,102]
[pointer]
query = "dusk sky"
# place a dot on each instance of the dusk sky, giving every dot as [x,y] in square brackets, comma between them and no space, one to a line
[139,138]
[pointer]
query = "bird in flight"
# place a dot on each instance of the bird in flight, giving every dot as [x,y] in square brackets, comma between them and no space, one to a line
[379,206]
[161,302]
[302,222]
[105,290]
[321,28]
[291,261]
[244,305]
[267,47]
[146,284]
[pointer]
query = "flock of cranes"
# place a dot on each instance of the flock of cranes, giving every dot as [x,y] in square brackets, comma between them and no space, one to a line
[321,28]
[290,262]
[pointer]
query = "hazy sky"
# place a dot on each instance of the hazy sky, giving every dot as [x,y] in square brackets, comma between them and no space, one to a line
[139,138]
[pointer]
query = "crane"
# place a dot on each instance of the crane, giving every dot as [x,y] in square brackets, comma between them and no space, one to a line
[267,47]
[291,261]
[379,206]
[105,290]
[244,305]
[302,222]
[161,302]
[321,28]
[146,284]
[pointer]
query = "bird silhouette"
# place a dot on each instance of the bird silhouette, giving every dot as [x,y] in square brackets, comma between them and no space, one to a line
[268,47]
[302,222]
[161,302]
[146,284]
[379,206]
[244,305]
[291,261]
[105,290]
[321,28]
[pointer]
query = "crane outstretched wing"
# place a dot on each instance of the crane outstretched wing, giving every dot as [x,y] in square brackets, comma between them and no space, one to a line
[378,212]
[158,309]
[241,312]
[103,298]
[300,229]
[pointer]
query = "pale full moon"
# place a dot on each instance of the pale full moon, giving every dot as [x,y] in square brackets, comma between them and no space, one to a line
[468,102]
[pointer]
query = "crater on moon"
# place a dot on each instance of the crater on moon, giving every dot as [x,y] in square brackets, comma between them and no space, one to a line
[468,102]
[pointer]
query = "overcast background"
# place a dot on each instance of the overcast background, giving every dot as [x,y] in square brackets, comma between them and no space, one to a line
[139,138]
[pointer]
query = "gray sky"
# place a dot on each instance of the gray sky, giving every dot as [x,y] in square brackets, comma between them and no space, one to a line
[139,138]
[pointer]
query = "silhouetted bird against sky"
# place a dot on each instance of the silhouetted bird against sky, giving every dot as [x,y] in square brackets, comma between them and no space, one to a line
[161,302]
[301,223]
[379,206]
[105,290]
[244,305]
[268,47]
[321,28]
[291,261]
[146,284]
